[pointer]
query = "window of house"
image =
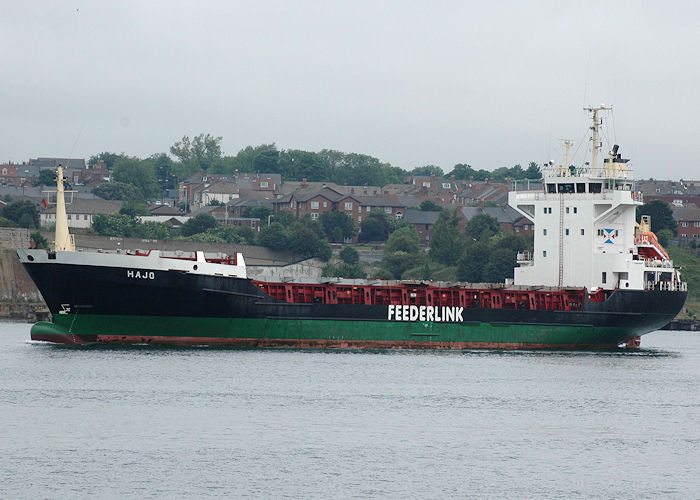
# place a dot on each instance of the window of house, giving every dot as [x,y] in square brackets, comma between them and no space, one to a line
[445,185]
[348,205]
[314,215]
[658,190]
[517,229]
[325,204]
[69,216]
[684,224]
[696,224]
[359,218]
[252,224]
[4,171]
[368,209]
[387,210]
[399,215]
[426,184]
[263,184]
[314,205]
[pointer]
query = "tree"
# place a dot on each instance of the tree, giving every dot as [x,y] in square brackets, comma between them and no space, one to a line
[47,177]
[337,226]
[462,171]
[374,227]
[134,208]
[113,225]
[260,212]
[22,213]
[471,266]
[306,242]
[482,227]
[198,224]
[109,159]
[533,171]
[427,171]
[202,152]
[38,241]
[396,263]
[118,191]
[274,237]
[153,230]
[499,266]
[661,216]
[349,255]
[447,241]
[140,174]
[298,165]
[405,239]
[429,206]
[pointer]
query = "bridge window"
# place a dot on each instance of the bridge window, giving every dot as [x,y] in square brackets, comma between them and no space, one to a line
[551,188]
[566,188]
[595,187]
[581,187]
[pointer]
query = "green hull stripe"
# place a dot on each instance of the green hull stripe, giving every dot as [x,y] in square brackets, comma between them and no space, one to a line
[334,330]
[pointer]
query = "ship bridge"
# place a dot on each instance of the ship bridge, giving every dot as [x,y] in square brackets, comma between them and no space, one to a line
[586,233]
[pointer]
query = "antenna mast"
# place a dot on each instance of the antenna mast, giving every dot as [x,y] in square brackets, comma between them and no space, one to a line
[594,128]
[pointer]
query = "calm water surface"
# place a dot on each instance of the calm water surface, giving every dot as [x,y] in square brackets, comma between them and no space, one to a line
[148,422]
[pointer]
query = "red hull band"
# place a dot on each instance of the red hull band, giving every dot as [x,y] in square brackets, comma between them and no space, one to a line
[58,338]
[337,344]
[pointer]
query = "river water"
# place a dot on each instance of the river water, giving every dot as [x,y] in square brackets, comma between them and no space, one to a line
[150,422]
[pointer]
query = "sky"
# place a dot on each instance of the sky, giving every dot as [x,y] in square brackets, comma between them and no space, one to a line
[489,84]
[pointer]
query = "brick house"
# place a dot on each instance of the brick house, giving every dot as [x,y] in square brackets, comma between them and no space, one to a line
[423,222]
[688,220]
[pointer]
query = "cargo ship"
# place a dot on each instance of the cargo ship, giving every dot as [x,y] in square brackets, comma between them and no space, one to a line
[596,279]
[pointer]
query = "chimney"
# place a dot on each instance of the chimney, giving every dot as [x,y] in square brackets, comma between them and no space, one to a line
[303,181]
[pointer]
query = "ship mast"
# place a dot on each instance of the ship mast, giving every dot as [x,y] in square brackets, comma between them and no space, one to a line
[594,128]
[63,239]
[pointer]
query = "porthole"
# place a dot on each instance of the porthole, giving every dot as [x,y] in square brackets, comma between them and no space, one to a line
[30,258]
[194,267]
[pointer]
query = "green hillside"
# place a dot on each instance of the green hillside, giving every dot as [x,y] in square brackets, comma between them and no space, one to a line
[690,272]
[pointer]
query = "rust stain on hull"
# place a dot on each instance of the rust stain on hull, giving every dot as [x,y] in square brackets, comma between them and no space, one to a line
[337,344]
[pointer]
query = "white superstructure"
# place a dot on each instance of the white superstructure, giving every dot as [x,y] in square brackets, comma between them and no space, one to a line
[585,229]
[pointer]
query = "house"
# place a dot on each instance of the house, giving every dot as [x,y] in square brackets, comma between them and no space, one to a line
[18,175]
[508,218]
[675,193]
[423,222]
[688,220]
[238,206]
[52,163]
[387,204]
[221,191]
[221,214]
[80,211]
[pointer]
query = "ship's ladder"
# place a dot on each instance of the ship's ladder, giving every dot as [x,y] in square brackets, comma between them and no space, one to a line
[561,239]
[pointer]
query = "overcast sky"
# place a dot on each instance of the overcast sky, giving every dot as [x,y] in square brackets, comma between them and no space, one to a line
[490,84]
